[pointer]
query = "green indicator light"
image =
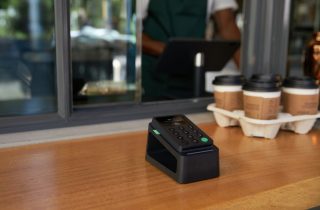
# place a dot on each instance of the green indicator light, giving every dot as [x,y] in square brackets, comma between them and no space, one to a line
[204,139]
[156,132]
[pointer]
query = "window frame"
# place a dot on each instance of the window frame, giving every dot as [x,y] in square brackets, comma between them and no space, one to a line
[67,116]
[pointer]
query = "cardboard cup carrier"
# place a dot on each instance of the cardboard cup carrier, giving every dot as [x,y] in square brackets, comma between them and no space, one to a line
[300,124]
[261,116]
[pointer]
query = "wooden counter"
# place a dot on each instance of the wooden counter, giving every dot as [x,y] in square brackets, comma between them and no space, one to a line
[110,172]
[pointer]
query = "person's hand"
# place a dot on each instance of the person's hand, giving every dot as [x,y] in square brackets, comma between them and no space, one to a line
[151,46]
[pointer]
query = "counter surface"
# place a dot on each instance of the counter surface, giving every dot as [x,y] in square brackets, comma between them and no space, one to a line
[110,172]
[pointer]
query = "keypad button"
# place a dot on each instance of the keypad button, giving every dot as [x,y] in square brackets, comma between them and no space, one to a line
[199,134]
[176,133]
[185,142]
[190,136]
[204,139]
[186,132]
[195,141]
[180,137]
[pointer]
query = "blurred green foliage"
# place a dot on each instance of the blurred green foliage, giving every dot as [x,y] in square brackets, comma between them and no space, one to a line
[17,24]
[94,12]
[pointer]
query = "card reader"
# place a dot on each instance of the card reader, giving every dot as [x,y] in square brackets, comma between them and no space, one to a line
[181,150]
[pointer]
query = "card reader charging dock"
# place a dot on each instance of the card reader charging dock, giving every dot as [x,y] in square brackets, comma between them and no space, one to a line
[184,159]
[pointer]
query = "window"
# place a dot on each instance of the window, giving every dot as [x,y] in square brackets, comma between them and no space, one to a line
[103,49]
[305,20]
[76,62]
[27,58]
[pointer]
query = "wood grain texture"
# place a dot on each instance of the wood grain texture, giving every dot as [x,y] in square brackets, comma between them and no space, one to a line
[110,172]
[292,196]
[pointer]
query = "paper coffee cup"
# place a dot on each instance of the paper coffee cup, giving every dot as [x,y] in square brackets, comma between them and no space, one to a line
[228,92]
[300,96]
[261,100]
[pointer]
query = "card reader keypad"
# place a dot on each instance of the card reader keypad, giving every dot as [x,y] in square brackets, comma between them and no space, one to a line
[183,134]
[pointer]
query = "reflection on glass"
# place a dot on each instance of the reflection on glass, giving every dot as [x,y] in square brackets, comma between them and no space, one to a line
[305,20]
[103,51]
[27,57]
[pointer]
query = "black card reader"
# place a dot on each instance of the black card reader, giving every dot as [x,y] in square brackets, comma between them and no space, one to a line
[181,150]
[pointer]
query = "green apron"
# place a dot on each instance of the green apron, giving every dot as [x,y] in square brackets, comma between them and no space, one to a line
[167,19]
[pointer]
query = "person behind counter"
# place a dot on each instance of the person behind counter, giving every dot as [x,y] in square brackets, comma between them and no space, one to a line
[165,19]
